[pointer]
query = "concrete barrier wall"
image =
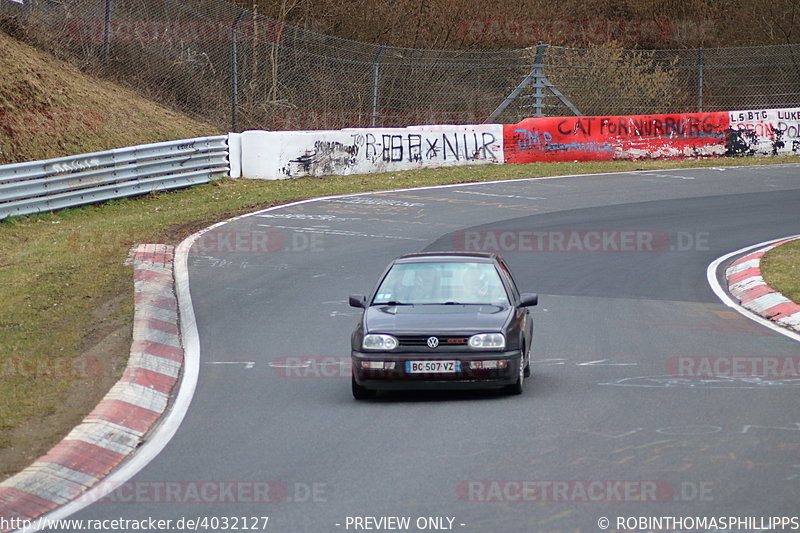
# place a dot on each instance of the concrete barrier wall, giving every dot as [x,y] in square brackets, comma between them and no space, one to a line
[292,154]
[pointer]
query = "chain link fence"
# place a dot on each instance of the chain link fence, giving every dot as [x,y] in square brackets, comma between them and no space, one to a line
[219,62]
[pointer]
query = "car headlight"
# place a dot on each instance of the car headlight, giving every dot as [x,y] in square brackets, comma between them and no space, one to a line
[488,341]
[379,341]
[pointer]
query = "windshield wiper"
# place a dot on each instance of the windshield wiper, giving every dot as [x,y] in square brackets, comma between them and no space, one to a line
[392,302]
[464,303]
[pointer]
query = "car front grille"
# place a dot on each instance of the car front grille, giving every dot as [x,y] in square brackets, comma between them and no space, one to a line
[422,340]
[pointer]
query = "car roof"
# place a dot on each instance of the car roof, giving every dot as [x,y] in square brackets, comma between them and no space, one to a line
[448,257]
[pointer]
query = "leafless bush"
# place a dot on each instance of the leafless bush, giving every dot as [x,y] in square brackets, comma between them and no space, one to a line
[608,79]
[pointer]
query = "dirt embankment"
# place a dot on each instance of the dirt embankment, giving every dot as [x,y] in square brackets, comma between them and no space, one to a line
[49,108]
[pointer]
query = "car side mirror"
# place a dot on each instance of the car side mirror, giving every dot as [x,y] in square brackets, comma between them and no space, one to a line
[528,299]
[358,300]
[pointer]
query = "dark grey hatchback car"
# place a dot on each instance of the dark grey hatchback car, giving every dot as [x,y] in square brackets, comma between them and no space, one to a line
[443,320]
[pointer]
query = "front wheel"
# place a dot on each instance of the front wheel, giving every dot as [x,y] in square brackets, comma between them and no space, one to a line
[528,363]
[360,392]
[516,388]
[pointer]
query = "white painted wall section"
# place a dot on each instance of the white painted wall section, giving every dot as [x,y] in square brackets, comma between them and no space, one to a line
[294,154]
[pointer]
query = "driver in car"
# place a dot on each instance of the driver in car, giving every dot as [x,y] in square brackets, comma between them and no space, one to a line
[477,287]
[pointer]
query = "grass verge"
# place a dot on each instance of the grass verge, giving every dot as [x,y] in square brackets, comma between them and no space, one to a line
[780,268]
[66,311]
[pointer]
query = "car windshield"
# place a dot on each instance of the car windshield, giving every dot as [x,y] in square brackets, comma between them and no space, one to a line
[442,283]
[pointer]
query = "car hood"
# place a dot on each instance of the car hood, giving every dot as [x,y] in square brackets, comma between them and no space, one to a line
[410,319]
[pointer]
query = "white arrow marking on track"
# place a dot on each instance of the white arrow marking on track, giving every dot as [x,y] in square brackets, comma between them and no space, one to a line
[247,364]
[604,362]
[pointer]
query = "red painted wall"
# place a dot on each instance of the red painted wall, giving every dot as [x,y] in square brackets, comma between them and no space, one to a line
[616,137]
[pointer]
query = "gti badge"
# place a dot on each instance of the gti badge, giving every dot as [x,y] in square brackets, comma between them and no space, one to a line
[433,342]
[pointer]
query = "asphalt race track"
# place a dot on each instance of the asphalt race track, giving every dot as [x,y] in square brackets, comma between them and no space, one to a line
[606,427]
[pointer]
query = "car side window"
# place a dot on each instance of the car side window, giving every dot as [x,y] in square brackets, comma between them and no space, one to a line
[509,279]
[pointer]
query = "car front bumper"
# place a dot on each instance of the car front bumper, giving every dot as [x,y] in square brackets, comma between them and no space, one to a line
[467,378]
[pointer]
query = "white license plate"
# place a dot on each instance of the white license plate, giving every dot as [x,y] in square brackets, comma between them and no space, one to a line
[433,367]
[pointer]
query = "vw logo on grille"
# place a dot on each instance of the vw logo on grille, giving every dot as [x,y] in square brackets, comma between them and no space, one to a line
[433,342]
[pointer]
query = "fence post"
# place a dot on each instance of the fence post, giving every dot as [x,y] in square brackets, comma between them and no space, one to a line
[376,72]
[107,32]
[235,70]
[700,66]
[538,95]
[535,74]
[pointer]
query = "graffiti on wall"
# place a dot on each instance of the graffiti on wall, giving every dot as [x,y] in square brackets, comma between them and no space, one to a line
[764,132]
[383,150]
[326,157]
[616,137]
[677,136]
[419,147]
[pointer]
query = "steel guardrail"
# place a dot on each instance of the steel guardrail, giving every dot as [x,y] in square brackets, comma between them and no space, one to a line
[42,186]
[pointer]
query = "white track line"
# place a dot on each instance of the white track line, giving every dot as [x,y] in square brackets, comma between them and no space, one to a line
[722,294]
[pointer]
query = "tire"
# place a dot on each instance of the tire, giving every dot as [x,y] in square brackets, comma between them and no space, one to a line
[528,366]
[516,388]
[361,393]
